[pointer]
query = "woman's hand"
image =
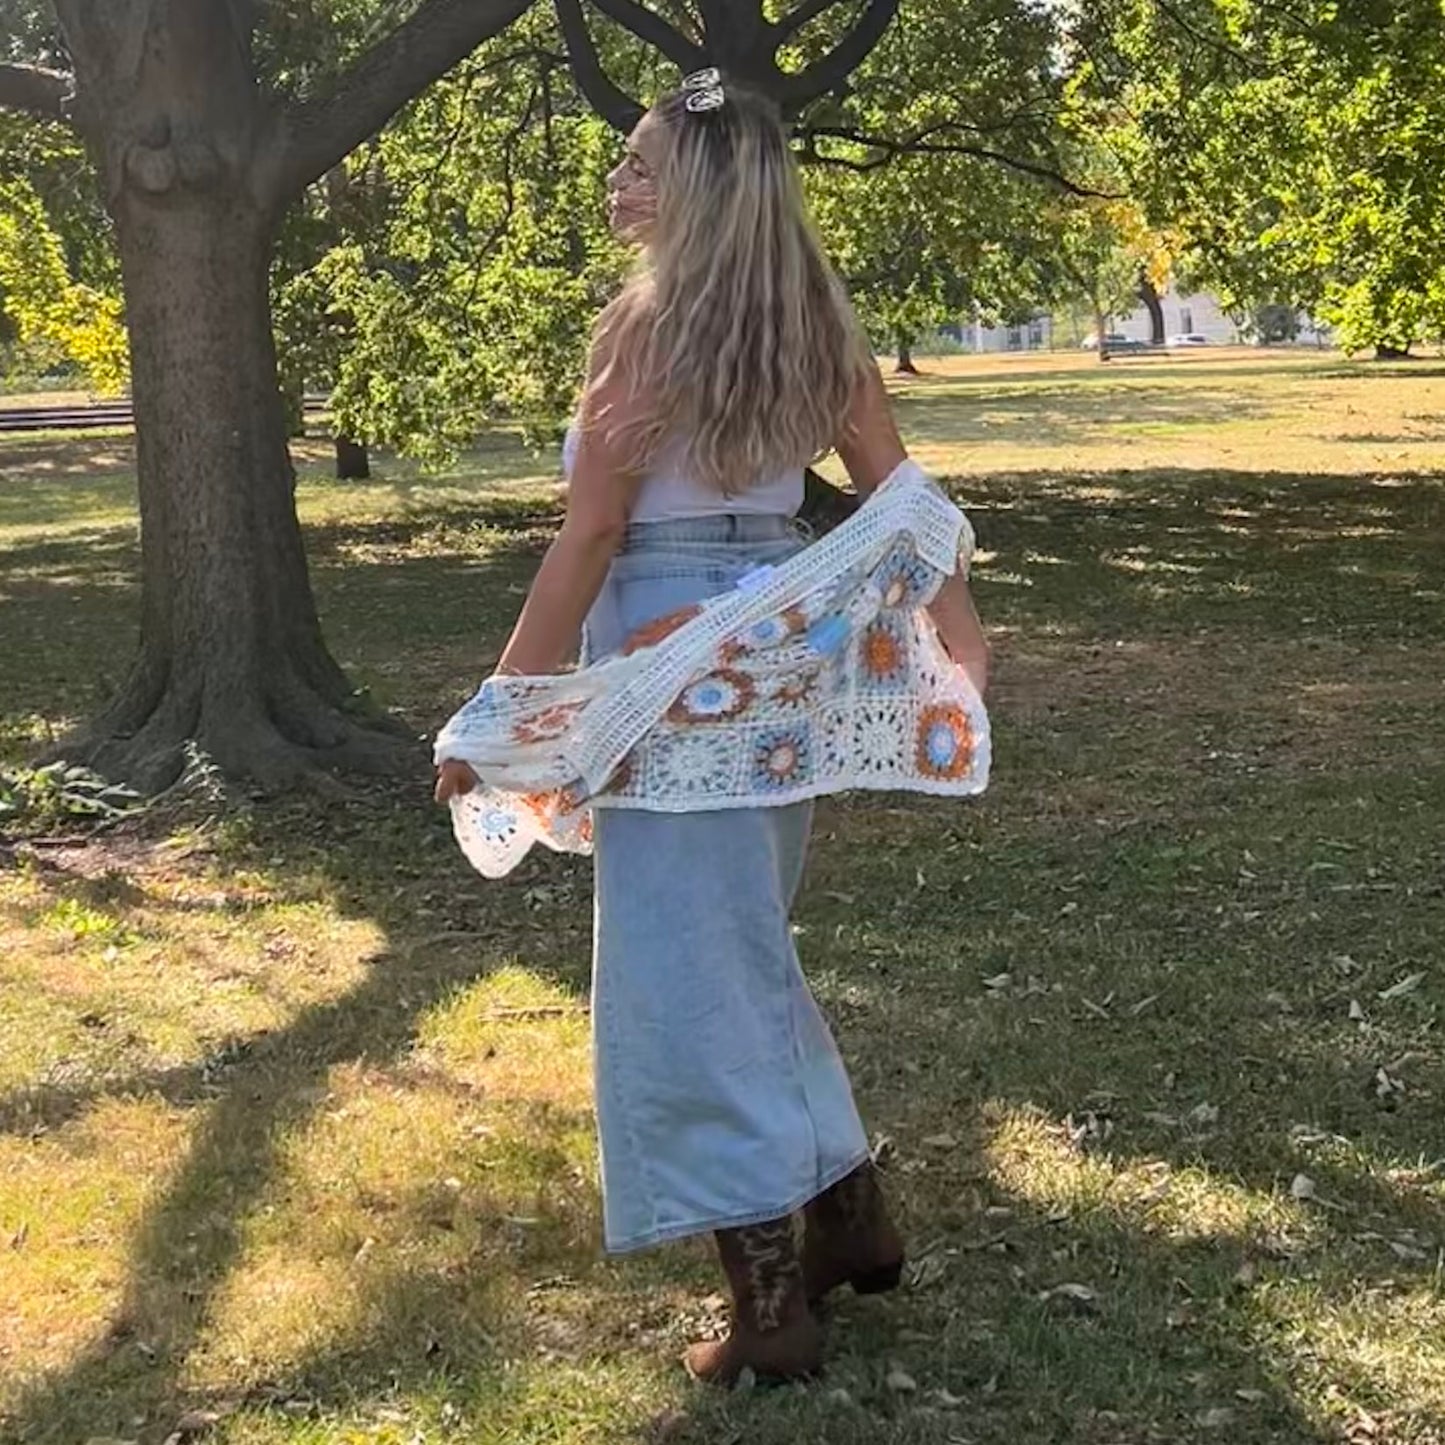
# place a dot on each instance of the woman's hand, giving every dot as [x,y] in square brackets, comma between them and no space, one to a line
[454,778]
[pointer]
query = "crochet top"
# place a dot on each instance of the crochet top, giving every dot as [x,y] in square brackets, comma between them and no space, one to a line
[816,676]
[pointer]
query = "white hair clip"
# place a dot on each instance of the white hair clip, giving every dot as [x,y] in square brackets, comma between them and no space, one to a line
[703,90]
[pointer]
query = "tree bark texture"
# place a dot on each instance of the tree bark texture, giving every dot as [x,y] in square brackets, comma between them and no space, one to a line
[1101,330]
[353,462]
[231,658]
[198,165]
[1155,307]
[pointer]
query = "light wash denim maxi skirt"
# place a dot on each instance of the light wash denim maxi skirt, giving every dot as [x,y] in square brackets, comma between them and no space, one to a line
[721,1097]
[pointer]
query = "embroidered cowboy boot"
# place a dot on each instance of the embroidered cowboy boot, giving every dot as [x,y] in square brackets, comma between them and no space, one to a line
[772,1330]
[850,1239]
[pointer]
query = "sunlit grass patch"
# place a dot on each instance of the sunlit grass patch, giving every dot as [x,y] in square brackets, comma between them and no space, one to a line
[296,1109]
[70,1202]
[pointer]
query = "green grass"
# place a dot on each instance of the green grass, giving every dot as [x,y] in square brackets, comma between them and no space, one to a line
[294,1109]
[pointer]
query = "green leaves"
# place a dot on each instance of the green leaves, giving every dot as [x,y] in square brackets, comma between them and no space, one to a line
[1300,151]
[57,317]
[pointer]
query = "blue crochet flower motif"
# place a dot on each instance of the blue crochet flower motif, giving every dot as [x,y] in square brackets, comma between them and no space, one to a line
[498,825]
[782,758]
[904,579]
[828,634]
[941,744]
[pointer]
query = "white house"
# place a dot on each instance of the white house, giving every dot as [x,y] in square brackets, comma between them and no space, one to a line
[1193,314]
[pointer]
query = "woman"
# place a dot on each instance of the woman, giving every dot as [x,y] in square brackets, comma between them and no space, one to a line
[729,362]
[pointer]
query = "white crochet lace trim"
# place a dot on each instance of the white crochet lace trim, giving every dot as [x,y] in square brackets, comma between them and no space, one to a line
[813,677]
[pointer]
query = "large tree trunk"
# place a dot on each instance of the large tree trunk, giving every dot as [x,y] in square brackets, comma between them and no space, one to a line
[1155,307]
[1101,330]
[353,461]
[231,656]
[905,365]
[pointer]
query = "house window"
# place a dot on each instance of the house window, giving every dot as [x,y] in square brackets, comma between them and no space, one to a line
[1186,320]
[1015,338]
[1036,333]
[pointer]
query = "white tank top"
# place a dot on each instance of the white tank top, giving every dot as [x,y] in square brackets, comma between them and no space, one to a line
[668,492]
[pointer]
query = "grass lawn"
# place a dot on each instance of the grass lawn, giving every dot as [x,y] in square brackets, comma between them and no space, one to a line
[295,1130]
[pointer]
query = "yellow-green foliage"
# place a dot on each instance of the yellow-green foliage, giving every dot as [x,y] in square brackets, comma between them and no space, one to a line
[47,305]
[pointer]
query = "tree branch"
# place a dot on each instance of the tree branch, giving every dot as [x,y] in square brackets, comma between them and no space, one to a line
[609,100]
[922,145]
[653,30]
[842,60]
[315,135]
[35,91]
[789,25]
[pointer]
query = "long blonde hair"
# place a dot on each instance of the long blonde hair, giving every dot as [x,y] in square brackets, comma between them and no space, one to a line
[736,339]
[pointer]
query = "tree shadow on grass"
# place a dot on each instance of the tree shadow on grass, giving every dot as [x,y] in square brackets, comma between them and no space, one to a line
[1165,551]
[1039,415]
[1059,1368]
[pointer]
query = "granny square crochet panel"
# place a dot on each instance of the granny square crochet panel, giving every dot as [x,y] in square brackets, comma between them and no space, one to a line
[818,676]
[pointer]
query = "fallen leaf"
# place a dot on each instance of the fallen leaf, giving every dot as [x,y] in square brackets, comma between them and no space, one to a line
[194,1421]
[900,1380]
[1216,1418]
[1407,1251]
[1303,1187]
[1251,1397]
[1408,984]
[1079,1295]
[948,1400]
[999,980]
[940,1141]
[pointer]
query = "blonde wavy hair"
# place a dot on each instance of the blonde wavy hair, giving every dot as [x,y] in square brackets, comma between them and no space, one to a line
[736,339]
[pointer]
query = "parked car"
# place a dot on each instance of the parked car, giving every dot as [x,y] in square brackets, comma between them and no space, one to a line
[1116,342]
[1189,338]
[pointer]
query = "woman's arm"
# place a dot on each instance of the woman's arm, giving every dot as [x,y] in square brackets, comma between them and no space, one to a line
[871,448]
[600,495]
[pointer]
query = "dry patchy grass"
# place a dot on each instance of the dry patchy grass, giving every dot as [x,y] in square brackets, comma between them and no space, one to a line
[294,1111]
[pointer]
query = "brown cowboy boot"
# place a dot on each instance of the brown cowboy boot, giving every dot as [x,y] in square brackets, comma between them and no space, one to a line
[773,1333]
[850,1239]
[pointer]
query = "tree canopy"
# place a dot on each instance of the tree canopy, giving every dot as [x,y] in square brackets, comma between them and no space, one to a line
[1297,149]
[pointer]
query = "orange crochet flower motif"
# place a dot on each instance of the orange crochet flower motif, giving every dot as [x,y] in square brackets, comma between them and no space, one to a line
[651,633]
[944,742]
[882,655]
[798,690]
[570,799]
[715,697]
[550,723]
[541,805]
